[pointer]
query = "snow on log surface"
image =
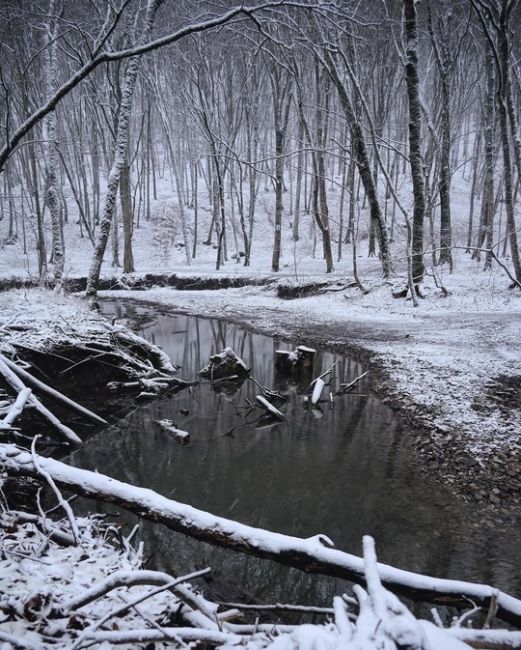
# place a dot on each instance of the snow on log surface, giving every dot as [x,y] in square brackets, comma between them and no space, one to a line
[310,555]
[224,364]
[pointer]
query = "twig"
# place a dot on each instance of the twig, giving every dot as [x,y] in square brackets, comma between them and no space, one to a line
[136,601]
[302,609]
[63,502]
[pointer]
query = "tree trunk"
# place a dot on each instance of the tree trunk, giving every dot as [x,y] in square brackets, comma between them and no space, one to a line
[53,191]
[445,256]
[415,154]
[127,218]
[504,95]
[119,157]
[490,139]
[363,164]
[279,172]
[298,183]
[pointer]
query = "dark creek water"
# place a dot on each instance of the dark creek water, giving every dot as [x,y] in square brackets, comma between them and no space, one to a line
[343,471]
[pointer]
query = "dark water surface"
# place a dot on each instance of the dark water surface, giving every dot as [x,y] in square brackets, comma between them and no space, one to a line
[345,471]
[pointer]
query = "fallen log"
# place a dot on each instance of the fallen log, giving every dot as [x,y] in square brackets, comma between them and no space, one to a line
[51,392]
[268,406]
[313,555]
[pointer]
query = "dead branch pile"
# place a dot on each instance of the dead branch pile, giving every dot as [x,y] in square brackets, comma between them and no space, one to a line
[314,555]
[76,340]
[73,583]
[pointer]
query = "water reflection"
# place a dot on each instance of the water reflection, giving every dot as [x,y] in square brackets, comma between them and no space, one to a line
[345,470]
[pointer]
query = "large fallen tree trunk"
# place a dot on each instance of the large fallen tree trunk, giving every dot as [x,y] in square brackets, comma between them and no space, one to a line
[313,555]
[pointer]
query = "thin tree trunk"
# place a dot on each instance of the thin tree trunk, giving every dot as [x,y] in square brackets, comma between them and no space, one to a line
[127,218]
[363,164]
[120,153]
[415,154]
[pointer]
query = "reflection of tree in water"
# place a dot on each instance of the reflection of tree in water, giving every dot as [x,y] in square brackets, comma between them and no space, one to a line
[349,473]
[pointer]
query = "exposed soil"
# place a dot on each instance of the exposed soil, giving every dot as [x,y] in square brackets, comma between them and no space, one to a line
[506,393]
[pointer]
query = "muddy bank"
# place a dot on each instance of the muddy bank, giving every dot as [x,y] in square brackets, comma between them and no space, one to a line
[144,282]
[494,481]
[285,288]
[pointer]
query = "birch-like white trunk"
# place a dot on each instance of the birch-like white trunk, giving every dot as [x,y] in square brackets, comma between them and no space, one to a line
[120,153]
[51,158]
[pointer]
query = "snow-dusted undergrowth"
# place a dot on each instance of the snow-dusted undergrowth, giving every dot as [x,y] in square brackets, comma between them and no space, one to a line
[95,594]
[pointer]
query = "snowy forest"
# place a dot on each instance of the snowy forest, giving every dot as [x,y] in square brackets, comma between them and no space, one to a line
[260,317]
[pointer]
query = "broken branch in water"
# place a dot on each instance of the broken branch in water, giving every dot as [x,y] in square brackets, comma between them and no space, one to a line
[268,406]
[268,392]
[316,387]
[171,427]
[51,392]
[347,388]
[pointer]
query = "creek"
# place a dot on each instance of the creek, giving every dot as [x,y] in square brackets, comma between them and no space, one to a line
[345,470]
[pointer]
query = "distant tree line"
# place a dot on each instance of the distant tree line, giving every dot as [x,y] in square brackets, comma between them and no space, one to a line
[354,117]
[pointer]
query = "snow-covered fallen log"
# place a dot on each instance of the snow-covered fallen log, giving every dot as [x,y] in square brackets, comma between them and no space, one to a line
[269,408]
[97,592]
[313,555]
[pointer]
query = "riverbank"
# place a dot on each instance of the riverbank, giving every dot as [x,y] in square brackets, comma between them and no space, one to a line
[450,368]
[406,351]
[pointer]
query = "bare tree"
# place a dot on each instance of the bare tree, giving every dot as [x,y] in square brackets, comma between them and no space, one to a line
[120,155]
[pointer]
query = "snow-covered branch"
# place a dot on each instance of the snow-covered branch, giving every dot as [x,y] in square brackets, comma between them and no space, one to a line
[311,555]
